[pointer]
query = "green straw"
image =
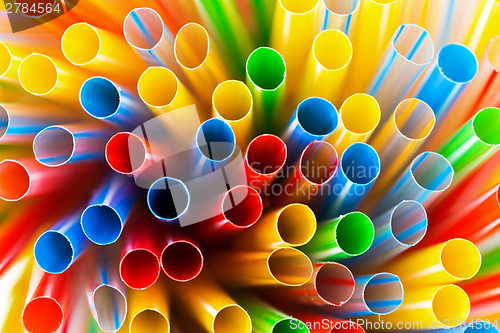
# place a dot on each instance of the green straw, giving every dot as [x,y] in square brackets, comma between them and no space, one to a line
[477,140]
[346,236]
[263,11]
[266,71]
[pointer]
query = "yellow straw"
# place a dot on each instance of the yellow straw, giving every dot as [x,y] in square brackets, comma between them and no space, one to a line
[486,27]
[148,310]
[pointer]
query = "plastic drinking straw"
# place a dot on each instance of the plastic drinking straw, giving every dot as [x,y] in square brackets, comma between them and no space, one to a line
[451,261]
[434,306]
[46,306]
[103,99]
[60,144]
[225,21]
[453,69]
[232,318]
[265,157]
[339,14]
[398,229]
[168,198]
[263,11]
[317,165]
[346,236]
[160,89]
[58,247]
[486,27]
[295,23]
[232,101]
[265,77]
[19,123]
[242,206]
[292,225]
[406,57]
[6,60]
[198,57]
[285,266]
[182,260]
[372,28]
[125,153]
[42,76]
[103,219]
[268,319]
[359,168]
[314,119]
[400,138]
[215,140]
[484,298]
[475,142]
[377,294]
[94,49]
[481,93]
[140,253]
[149,310]
[359,117]
[326,66]
[106,296]
[428,175]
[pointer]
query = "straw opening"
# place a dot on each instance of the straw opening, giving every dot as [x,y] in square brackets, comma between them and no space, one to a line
[191,46]
[289,325]
[485,124]
[414,44]
[232,318]
[460,258]
[125,153]
[143,28]
[168,198]
[100,97]
[42,314]
[342,7]
[457,63]
[332,49]
[53,252]
[38,74]
[139,269]
[15,180]
[318,162]
[450,303]
[266,68]
[158,86]
[4,121]
[242,206]
[354,233]
[101,224]
[296,224]
[289,266]
[317,116]
[110,306]
[432,171]
[334,283]
[360,163]
[215,140]
[383,293]
[54,146]
[232,100]
[80,43]
[409,222]
[354,107]
[299,6]
[182,261]
[266,154]
[414,119]
[149,320]
[5,59]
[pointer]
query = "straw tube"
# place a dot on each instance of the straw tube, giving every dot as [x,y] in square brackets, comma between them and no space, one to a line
[242,206]
[359,117]
[125,153]
[314,119]
[339,14]
[149,310]
[232,101]
[295,23]
[396,230]
[435,307]
[454,260]
[454,68]
[359,168]
[406,57]
[401,137]
[168,198]
[327,66]
[485,28]
[196,54]
[232,318]
[483,294]
[95,49]
[347,236]
[265,77]
[377,294]
[102,99]
[182,260]
[265,157]
[475,142]
[292,225]
[161,90]
[428,175]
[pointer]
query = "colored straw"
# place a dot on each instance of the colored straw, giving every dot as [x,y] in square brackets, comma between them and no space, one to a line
[398,229]
[359,167]
[95,49]
[295,23]
[454,260]
[292,225]
[347,236]
[454,68]
[149,311]
[265,157]
[406,57]
[339,14]
[327,66]
[428,175]
[359,117]
[168,198]
[242,206]
[196,54]
[265,77]
[181,260]
[232,101]
[103,99]
[125,152]
[400,138]
[232,318]
[103,219]
[476,141]
[377,294]
[435,307]
[57,248]
[485,28]
[484,298]
[160,89]
[215,140]
[314,119]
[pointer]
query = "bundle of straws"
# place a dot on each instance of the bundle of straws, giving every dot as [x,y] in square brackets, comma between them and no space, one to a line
[237,166]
